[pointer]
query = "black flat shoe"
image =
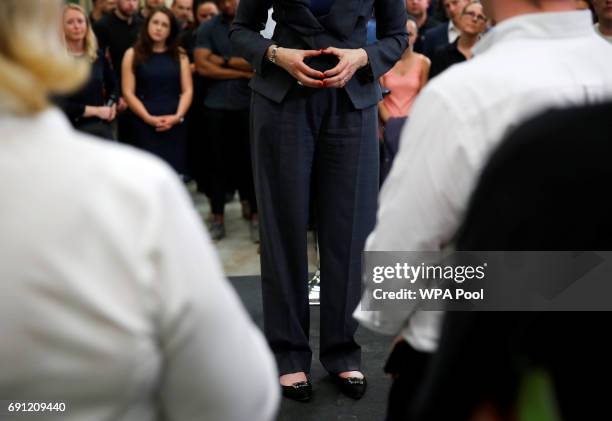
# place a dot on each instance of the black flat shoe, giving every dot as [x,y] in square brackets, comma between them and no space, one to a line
[353,387]
[300,391]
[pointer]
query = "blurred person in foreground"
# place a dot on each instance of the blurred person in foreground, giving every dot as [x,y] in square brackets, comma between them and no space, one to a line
[603,10]
[112,299]
[473,23]
[423,201]
[494,365]
[94,106]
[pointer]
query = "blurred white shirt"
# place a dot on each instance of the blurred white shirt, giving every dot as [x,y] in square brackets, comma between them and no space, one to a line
[112,298]
[521,67]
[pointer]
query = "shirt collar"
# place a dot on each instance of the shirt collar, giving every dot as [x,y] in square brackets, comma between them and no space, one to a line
[548,25]
[453,32]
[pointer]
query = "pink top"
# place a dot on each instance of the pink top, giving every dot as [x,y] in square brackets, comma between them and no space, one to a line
[404,89]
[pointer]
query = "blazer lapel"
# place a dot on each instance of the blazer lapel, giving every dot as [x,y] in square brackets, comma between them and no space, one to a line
[297,14]
[342,17]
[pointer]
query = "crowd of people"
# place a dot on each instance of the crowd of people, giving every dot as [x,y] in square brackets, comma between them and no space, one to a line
[111,294]
[205,135]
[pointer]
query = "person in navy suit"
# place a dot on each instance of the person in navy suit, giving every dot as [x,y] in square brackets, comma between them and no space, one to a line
[314,125]
[445,33]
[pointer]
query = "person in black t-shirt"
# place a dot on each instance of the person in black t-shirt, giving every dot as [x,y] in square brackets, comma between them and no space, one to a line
[93,107]
[183,12]
[116,33]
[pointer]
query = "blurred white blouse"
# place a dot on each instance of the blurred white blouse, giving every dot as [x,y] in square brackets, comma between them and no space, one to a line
[112,299]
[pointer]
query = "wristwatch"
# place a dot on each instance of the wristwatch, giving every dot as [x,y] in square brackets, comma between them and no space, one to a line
[272,56]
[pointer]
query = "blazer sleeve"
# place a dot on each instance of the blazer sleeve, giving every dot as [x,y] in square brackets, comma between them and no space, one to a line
[392,38]
[245,36]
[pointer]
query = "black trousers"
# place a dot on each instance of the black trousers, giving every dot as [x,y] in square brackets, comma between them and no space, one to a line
[313,136]
[227,134]
[408,368]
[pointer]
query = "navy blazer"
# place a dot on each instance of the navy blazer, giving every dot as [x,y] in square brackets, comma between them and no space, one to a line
[435,38]
[344,27]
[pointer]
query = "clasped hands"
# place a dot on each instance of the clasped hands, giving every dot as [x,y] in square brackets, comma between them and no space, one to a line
[349,61]
[163,123]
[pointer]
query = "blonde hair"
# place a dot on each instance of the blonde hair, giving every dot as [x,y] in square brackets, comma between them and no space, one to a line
[91,42]
[33,59]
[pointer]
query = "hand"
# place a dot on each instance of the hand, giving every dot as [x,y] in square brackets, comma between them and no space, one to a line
[105,113]
[122,105]
[350,60]
[167,122]
[293,62]
[113,112]
[155,121]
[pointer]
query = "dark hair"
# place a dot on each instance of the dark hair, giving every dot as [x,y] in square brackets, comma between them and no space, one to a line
[143,49]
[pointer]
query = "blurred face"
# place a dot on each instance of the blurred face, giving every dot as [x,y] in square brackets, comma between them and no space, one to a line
[582,5]
[127,7]
[109,5]
[417,8]
[603,9]
[473,20]
[206,11]
[413,32]
[159,28]
[228,7]
[152,4]
[453,8]
[183,10]
[75,26]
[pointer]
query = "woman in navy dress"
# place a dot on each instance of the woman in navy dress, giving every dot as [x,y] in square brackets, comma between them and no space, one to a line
[158,88]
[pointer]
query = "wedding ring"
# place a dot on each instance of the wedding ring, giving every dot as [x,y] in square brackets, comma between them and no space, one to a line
[300,83]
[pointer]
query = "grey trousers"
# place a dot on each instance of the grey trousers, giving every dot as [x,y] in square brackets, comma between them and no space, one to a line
[314,139]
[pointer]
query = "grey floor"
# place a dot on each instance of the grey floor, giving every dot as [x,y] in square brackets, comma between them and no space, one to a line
[327,403]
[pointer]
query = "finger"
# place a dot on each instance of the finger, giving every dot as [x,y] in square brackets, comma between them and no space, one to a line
[339,81]
[311,53]
[332,50]
[306,81]
[309,71]
[340,67]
